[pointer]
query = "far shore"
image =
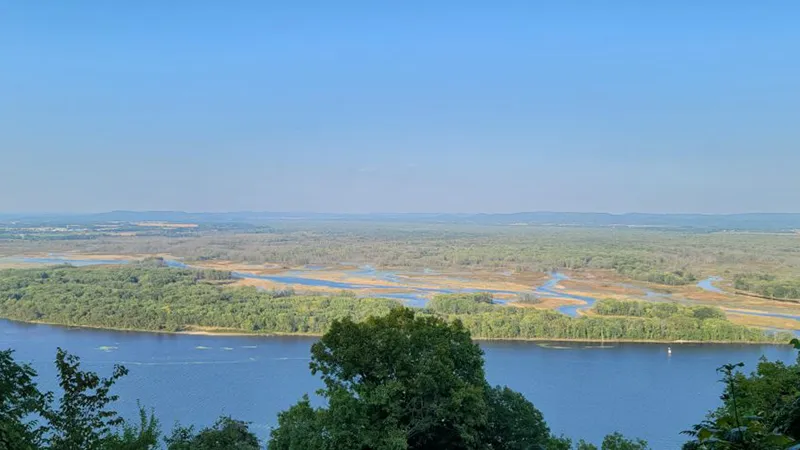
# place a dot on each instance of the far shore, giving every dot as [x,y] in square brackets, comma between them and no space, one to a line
[239,333]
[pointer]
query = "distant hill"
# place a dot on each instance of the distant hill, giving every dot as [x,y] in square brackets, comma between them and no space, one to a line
[706,222]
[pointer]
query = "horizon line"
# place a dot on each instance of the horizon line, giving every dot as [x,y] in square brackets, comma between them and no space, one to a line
[379,213]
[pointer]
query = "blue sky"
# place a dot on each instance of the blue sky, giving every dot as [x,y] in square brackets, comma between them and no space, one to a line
[446,106]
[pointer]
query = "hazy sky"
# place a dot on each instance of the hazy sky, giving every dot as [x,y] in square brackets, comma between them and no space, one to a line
[672,106]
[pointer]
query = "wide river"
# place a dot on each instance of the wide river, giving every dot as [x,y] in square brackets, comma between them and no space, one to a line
[583,390]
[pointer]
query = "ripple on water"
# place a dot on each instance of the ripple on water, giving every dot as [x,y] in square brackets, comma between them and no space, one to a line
[554,346]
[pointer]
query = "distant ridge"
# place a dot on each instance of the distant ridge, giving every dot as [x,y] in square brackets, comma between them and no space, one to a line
[734,222]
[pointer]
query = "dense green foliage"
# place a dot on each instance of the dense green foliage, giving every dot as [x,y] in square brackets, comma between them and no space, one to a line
[648,271]
[470,303]
[611,307]
[668,323]
[617,441]
[19,399]
[406,381]
[475,297]
[613,441]
[768,286]
[227,433]
[759,412]
[394,382]
[164,299]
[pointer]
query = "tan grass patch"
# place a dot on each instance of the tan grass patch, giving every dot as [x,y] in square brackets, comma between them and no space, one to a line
[763,322]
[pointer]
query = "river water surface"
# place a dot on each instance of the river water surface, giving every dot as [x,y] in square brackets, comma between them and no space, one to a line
[583,390]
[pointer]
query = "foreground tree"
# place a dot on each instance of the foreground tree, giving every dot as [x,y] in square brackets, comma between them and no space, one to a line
[616,441]
[142,436]
[225,434]
[513,423]
[81,419]
[613,441]
[759,412]
[406,382]
[19,400]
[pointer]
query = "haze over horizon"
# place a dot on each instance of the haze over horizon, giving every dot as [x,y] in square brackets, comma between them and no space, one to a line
[684,107]
[164,213]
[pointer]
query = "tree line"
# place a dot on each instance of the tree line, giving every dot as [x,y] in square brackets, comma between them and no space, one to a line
[499,322]
[168,299]
[767,285]
[613,307]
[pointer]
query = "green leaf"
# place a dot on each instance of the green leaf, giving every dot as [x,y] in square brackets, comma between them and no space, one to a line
[703,434]
[778,440]
[724,422]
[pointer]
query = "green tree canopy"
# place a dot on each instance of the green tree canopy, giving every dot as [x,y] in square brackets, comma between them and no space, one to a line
[405,381]
[759,412]
[225,434]
[19,399]
[81,419]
